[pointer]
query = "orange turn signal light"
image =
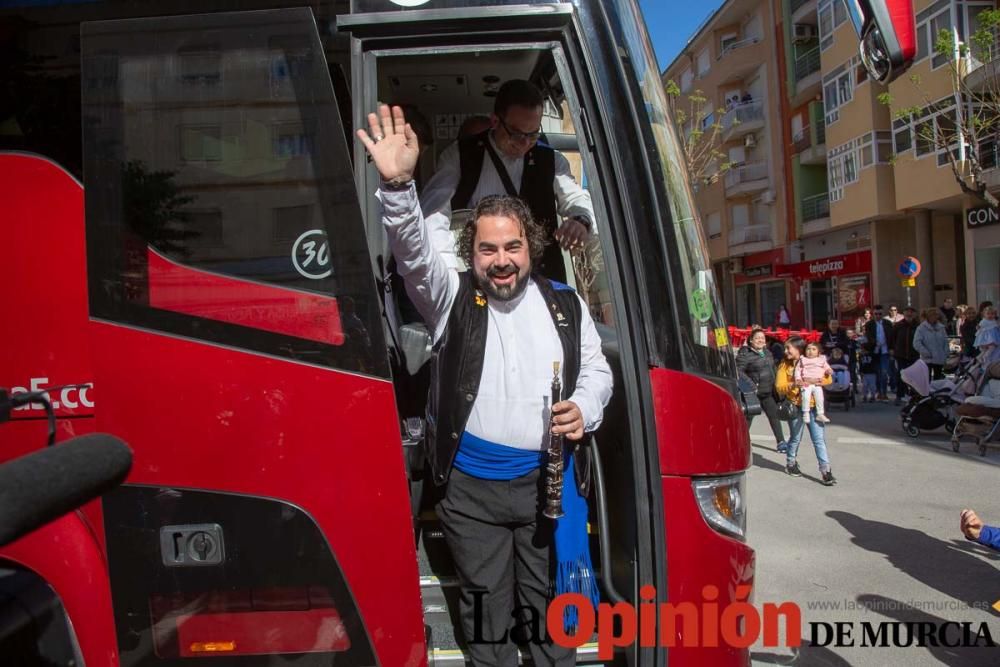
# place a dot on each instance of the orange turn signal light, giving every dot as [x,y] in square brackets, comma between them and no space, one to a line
[213,647]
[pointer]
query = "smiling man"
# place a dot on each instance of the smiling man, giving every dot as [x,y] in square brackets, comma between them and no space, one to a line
[497,329]
[508,158]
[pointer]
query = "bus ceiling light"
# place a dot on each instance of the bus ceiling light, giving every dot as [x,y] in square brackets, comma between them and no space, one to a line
[722,501]
[875,55]
[213,647]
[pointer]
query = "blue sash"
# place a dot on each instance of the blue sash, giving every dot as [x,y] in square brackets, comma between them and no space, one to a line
[574,571]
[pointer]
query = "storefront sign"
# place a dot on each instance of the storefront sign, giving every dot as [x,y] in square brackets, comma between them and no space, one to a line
[982,216]
[837,265]
[757,271]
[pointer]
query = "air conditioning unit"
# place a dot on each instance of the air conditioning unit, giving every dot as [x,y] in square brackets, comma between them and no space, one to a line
[749,141]
[803,32]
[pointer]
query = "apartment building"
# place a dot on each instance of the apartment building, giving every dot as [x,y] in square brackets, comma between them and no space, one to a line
[732,60]
[865,190]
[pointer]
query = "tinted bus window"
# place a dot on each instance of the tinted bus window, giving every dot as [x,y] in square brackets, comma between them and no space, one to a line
[220,198]
[704,337]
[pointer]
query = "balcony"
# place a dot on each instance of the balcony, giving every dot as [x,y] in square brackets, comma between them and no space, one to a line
[808,78]
[732,47]
[985,71]
[809,152]
[742,119]
[746,239]
[747,178]
[816,207]
[739,60]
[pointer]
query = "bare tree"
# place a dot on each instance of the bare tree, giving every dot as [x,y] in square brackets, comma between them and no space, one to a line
[970,138]
[701,142]
[587,265]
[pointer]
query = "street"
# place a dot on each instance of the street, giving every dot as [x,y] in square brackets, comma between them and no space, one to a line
[883,545]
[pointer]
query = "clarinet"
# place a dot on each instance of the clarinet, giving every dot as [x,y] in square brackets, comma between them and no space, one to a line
[554,468]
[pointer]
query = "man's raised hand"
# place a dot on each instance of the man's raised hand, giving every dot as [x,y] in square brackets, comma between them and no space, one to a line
[392,144]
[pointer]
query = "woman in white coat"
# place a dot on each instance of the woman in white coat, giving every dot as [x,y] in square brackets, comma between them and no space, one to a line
[931,342]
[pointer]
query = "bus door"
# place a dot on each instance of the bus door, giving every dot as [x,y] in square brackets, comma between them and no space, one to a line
[236,332]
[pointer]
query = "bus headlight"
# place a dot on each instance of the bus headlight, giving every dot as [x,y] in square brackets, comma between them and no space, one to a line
[722,501]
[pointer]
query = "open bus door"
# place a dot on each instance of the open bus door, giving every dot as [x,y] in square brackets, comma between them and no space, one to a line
[236,333]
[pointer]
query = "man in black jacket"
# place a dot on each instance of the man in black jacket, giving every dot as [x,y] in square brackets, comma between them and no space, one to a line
[878,334]
[500,332]
[902,349]
[510,159]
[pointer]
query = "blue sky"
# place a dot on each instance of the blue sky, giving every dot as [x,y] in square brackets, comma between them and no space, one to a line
[672,22]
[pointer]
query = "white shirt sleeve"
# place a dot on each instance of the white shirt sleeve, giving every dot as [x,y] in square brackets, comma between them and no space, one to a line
[431,283]
[435,201]
[595,382]
[572,200]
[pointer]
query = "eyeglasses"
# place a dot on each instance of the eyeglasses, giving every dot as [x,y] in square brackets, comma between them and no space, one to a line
[520,136]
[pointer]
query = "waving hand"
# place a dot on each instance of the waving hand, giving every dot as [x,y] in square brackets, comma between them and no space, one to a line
[392,144]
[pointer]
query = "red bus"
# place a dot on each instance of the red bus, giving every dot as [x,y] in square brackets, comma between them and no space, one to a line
[210,262]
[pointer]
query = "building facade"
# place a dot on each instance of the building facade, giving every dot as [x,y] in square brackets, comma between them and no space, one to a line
[732,61]
[851,188]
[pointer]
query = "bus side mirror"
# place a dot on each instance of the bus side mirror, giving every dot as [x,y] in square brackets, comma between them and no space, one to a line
[887,35]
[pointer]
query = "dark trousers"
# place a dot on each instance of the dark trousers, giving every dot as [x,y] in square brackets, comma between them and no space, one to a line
[501,544]
[936,371]
[770,409]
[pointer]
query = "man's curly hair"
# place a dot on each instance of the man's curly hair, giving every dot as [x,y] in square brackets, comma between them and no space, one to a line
[511,207]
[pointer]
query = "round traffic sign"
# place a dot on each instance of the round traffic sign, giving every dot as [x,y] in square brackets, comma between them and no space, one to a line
[909,267]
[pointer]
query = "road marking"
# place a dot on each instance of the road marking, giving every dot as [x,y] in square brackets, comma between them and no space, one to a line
[850,440]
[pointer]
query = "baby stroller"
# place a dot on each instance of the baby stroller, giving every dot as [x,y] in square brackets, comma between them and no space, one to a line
[841,390]
[931,406]
[979,415]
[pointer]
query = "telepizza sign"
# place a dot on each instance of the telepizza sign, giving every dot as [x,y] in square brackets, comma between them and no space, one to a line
[827,267]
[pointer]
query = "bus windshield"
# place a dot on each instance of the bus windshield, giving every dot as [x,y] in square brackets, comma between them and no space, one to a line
[699,309]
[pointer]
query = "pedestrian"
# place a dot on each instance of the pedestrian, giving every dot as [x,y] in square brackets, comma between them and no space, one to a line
[967,331]
[834,337]
[869,375]
[894,315]
[931,342]
[988,314]
[948,315]
[782,318]
[810,372]
[903,352]
[878,333]
[755,361]
[785,386]
[500,332]
[862,321]
[975,530]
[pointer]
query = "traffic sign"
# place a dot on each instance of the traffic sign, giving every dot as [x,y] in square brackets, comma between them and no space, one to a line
[908,282]
[909,267]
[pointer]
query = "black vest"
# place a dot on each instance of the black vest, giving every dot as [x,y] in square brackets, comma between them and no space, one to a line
[457,368]
[536,190]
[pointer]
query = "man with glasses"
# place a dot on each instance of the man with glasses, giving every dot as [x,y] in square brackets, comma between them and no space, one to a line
[508,159]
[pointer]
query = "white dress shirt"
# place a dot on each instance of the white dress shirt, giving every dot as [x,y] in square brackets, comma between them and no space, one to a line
[513,402]
[572,201]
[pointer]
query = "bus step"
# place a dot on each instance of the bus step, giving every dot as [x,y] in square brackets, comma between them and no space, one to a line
[585,655]
[431,581]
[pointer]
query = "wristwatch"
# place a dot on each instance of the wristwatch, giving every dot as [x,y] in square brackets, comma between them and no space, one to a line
[397,184]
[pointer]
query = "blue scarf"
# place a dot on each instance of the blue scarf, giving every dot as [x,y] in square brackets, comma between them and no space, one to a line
[574,571]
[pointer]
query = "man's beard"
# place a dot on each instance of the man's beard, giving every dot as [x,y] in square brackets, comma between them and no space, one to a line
[503,292]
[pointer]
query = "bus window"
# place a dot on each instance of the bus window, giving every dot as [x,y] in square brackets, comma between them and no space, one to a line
[704,336]
[209,158]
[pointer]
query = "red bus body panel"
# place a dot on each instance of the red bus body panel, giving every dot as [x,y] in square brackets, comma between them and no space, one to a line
[701,432]
[207,417]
